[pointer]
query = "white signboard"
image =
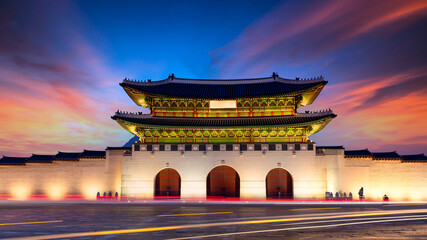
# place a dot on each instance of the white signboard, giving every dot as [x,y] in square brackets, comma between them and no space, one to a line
[222,104]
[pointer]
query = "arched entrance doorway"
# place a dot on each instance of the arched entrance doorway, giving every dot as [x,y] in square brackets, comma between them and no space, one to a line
[223,181]
[279,184]
[168,183]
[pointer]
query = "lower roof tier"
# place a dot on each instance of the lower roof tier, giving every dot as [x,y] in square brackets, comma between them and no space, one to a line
[244,129]
[149,120]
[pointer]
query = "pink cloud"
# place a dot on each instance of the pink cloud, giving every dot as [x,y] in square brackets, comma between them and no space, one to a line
[398,122]
[60,95]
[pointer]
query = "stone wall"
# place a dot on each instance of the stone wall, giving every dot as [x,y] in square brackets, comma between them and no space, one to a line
[57,180]
[400,181]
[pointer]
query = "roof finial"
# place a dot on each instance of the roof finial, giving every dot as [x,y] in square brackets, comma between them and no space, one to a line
[275,75]
[172,76]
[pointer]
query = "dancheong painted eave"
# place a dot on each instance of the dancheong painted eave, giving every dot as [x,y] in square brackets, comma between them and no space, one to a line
[273,86]
[314,122]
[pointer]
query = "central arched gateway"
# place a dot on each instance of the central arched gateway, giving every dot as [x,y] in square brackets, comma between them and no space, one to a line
[223,181]
[168,183]
[279,184]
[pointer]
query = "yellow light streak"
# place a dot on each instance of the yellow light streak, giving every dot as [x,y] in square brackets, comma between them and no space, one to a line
[398,205]
[137,230]
[23,223]
[369,214]
[350,219]
[310,209]
[192,214]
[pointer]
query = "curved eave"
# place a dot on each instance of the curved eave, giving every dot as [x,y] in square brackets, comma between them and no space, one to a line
[308,95]
[317,125]
[312,94]
[136,95]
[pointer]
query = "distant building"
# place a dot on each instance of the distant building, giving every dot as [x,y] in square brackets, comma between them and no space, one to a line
[219,138]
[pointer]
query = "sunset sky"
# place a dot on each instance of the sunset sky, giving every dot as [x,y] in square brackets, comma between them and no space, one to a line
[61,63]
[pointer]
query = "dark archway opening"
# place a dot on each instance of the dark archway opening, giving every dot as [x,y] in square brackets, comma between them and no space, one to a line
[168,183]
[223,181]
[279,184]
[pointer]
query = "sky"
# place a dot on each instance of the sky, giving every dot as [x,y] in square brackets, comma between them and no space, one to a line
[61,63]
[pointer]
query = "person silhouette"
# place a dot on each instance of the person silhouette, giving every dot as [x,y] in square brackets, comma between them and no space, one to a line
[361,197]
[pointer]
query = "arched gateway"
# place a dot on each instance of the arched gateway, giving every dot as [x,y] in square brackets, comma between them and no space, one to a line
[168,183]
[279,184]
[223,181]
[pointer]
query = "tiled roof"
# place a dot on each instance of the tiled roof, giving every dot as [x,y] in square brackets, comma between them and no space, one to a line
[67,156]
[330,147]
[414,158]
[386,155]
[13,160]
[223,89]
[119,148]
[223,122]
[36,158]
[357,153]
[92,154]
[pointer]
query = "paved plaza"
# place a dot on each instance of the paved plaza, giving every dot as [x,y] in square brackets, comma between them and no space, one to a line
[212,220]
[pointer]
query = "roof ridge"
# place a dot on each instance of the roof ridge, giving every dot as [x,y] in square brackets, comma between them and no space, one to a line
[119,113]
[273,78]
[13,157]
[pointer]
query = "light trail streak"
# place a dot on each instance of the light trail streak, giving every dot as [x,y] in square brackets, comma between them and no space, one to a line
[192,214]
[399,205]
[24,223]
[349,219]
[311,209]
[299,228]
[229,223]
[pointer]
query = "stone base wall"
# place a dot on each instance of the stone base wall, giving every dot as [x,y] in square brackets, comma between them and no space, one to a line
[139,171]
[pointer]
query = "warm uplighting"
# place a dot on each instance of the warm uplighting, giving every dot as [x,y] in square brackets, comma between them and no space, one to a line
[55,191]
[89,190]
[20,191]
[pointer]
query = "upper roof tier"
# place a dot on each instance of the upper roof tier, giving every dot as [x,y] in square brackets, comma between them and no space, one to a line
[223,89]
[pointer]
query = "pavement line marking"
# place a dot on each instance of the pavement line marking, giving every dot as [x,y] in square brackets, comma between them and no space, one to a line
[310,209]
[192,214]
[398,205]
[23,223]
[297,228]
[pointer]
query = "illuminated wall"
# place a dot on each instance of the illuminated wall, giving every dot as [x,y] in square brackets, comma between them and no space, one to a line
[59,180]
[400,181]
[133,175]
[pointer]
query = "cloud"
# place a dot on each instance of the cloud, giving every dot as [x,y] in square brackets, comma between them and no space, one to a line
[377,112]
[56,88]
[295,34]
[55,67]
